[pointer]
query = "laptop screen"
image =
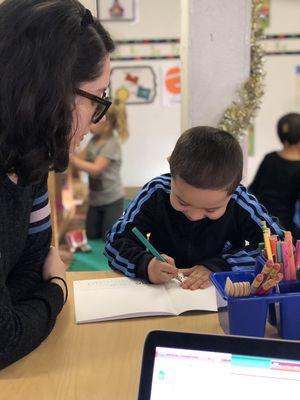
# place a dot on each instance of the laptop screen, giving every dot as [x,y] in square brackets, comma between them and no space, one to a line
[181,373]
[185,366]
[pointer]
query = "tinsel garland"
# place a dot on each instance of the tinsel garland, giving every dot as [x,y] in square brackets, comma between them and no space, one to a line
[239,116]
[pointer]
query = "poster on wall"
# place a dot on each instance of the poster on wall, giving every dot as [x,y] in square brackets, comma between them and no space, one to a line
[265,11]
[134,85]
[117,10]
[171,88]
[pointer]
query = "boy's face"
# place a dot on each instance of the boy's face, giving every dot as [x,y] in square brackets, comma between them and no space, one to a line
[196,203]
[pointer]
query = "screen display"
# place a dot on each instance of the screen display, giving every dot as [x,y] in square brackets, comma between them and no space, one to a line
[192,374]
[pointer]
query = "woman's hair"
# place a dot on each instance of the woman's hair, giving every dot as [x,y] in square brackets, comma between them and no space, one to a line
[208,158]
[47,48]
[288,128]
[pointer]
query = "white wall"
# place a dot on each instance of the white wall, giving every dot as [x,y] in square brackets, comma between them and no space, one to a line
[215,57]
[279,95]
[153,128]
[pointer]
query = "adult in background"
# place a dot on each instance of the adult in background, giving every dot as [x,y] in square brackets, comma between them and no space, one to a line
[277,181]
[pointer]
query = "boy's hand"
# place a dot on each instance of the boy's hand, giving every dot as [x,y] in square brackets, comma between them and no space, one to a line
[198,277]
[161,272]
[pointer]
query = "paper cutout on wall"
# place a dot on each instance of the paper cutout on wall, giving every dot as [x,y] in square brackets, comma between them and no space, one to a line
[265,14]
[134,85]
[170,85]
[116,10]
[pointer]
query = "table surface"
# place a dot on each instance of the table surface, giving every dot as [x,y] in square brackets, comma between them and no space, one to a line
[93,361]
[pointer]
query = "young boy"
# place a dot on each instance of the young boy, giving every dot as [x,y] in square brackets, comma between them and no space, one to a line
[198,217]
[277,181]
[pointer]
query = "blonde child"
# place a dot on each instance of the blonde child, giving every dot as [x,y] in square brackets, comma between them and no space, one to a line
[101,159]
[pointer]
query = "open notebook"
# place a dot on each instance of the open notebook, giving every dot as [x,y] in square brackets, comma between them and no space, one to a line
[179,365]
[117,298]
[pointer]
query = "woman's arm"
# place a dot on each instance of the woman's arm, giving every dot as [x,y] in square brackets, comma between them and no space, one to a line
[29,304]
[24,324]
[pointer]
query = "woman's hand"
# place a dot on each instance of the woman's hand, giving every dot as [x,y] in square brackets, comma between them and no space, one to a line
[53,265]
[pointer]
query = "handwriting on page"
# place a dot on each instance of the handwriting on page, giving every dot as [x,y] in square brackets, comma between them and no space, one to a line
[114,283]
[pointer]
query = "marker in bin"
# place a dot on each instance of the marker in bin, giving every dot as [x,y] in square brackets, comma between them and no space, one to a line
[262,283]
[179,277]
[282,252]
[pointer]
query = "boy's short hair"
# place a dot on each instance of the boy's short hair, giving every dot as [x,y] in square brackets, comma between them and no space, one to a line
[208,158]
[288,128]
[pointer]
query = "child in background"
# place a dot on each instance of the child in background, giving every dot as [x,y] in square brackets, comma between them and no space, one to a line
[199,216]
[277,181]
[102,161]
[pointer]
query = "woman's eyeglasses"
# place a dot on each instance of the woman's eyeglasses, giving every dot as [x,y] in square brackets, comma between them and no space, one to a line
[103,104]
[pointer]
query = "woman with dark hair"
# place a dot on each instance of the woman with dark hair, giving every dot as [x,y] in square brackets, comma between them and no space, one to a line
[54,69]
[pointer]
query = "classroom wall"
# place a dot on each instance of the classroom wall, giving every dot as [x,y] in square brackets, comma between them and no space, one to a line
[280,82]
[153,128]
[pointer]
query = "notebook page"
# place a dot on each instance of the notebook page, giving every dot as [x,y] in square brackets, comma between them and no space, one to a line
[188,300]
[116,298]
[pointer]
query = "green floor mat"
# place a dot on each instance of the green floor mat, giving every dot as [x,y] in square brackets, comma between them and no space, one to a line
[93,261]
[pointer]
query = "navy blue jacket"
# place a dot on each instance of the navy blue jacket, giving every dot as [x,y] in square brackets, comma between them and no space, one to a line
[218,244]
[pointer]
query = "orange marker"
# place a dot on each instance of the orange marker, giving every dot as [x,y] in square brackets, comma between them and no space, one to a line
[273,244]
[289,241]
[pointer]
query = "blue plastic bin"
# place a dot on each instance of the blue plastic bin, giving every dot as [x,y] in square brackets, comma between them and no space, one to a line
[288,310]
[247,315]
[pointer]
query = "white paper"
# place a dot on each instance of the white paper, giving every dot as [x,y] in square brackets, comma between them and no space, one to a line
[188,300]
[117,298]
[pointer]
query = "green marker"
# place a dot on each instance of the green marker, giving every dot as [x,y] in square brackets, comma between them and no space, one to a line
[152,249]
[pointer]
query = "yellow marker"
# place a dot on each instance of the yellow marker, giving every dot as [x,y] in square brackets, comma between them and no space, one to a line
[267,240]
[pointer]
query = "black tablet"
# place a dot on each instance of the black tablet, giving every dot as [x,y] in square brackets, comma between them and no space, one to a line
[189,366]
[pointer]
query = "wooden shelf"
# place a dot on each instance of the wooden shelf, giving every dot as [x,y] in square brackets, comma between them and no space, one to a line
[62,203]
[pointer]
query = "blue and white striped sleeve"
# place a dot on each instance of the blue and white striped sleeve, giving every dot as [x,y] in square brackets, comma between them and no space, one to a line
[123,250]
[251,214]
